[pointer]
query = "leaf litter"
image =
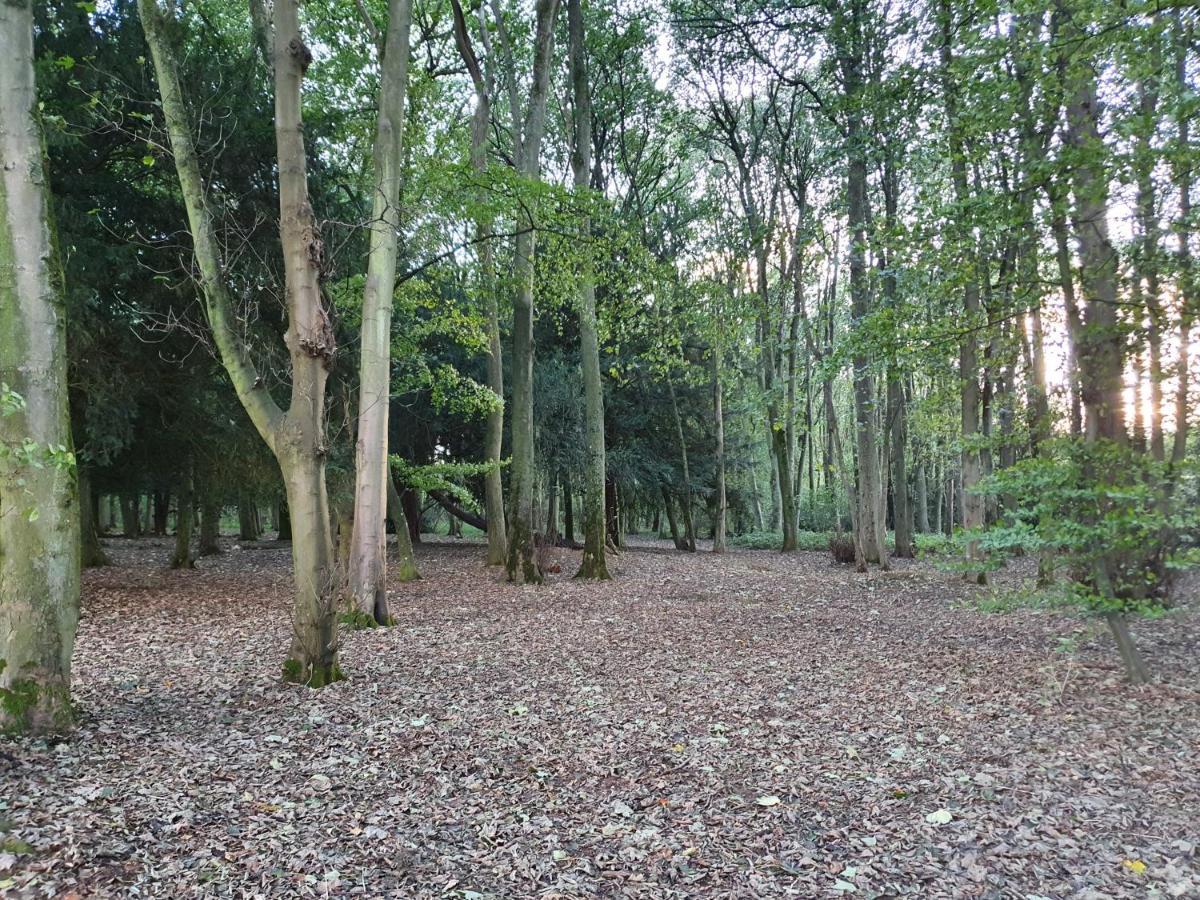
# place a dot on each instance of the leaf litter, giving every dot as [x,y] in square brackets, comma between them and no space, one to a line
[742,725]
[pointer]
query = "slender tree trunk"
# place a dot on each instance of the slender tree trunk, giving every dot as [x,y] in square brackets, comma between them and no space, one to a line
[130,526]
[406,562]
[719,430]
[283,517]
[689,536]
[968,353]
[497,538]
[899,440]
[91,552]
[161,499]
[39,504]
[922,499]
[522,564]
[593,564]
[185,518]
[569,512]
[368,545]
[1183,175]
[611,513]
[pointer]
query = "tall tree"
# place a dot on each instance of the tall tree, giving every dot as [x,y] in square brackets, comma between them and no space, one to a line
[594,564]
[39,512]
[296,436]
[522,564]
[368,549]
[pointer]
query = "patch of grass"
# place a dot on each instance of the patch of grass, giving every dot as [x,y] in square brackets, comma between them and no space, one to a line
[1008,600]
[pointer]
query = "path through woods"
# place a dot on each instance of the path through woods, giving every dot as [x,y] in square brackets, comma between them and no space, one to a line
[749,725]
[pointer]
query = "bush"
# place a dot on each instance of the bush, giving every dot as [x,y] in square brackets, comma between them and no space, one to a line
[772,540]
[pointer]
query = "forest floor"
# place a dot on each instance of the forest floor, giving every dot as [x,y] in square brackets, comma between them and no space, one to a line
[750,725]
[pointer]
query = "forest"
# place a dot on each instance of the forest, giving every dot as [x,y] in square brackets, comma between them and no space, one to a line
[599,448]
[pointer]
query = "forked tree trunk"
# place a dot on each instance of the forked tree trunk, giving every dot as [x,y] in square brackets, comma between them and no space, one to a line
[296,436]
[367,564]
[39,512]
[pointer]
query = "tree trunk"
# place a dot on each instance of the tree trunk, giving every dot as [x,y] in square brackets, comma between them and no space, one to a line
[611,509]
[161,500]
[593,565]
[406,562]
[1101,350]
[968,349]
[283,517]
[899,441]
[522,564]
[922,499]
[297,436]
[248,529]
[130,526]
[719,433]
[39,504]
[185,518]
[497,538]
[367,565]
[91,552]
[210,527]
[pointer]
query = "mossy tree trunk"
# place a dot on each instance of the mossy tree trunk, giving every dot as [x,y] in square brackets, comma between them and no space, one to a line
[39,510]
[295,436]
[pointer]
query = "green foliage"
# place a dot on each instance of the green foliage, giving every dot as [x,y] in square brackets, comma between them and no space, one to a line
[772,540]
[439,476]
[1115,519]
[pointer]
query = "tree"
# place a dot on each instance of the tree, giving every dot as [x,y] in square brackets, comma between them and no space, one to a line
[296,436]
[593,564]
[368,552]
[39,511]
[522,562]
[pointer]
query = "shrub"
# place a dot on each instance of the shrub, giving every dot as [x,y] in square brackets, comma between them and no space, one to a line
[842,548]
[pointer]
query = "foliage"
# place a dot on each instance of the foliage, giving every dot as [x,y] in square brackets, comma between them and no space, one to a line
[1118,522]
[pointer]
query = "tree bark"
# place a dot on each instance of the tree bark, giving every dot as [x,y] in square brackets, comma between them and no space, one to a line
[367,568]
[39,504]
[593,565]
[522,564]
[185,518]
[406,561]
[968,348]
[497,538]
[91,552]
[296,436]
[210,526]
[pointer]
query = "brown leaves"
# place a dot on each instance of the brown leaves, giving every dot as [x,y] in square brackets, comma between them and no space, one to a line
[746,725]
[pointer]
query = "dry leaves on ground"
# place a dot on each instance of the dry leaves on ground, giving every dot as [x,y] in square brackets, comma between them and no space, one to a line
[746,725]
